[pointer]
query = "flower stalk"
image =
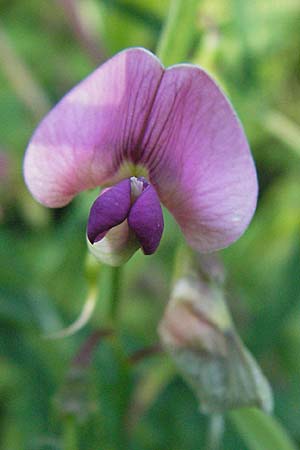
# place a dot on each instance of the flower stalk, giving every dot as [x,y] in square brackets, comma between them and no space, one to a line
[215,431]
[70,435]
[115,288]
[178,32]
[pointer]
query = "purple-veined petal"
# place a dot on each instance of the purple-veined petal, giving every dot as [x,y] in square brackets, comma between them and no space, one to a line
[109,209]
[199,160]
[83,140]
[146,220]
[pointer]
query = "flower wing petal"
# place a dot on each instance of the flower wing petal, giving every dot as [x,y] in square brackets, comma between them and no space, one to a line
[84,138]
[199,159]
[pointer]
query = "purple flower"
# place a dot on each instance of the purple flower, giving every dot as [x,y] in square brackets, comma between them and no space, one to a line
[150,135]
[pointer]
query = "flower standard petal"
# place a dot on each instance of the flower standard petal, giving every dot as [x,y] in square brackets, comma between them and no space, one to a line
[146,220]
[199,160]
[84,139]
[109,209]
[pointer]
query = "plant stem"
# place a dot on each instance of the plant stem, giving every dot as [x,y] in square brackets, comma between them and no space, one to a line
[215,431]
[82,30]
[70,441]
[178,32]
[84,355]
[260,430]
[283,128]
[143,353]
[115,287]
[21,79]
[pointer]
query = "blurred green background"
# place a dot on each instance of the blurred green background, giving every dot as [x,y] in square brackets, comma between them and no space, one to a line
[253,48]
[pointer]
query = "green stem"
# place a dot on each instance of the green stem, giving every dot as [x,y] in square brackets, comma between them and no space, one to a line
[215,432]
[124,374]
[82,28]
[179,31]
[283,128]
[70,441]
[261,431]
[22,80]
[115,287]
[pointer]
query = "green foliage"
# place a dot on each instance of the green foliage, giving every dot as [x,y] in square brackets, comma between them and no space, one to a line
[253,48]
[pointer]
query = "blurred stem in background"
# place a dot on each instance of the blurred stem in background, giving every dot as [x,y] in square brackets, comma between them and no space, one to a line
[283,128]
[70,438]
[178,32]
[21,79]
[215,431]
[208,47]
[115,289]
[83,29]
[260,431]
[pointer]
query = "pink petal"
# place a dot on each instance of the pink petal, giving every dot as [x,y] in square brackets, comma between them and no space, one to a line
[199,159]
[82,141]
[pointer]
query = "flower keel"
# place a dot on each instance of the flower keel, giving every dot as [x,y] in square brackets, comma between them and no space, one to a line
[124,218]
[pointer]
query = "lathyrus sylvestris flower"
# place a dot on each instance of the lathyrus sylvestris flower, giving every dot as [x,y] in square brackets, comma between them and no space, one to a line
[150,136]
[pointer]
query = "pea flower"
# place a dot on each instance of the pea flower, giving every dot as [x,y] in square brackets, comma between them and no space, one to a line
[149,136]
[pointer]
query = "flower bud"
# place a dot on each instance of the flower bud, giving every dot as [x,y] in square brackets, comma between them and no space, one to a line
[198,333]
